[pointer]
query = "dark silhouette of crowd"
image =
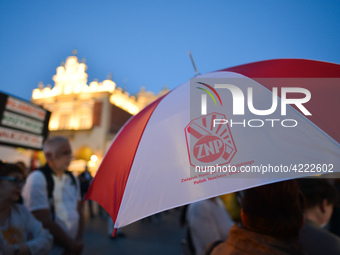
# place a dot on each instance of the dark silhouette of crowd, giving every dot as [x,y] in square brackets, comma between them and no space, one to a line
[288,217]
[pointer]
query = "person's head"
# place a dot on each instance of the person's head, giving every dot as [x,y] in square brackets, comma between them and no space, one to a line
[12,179]
[273,209]
[22,165]
[58,153]
[320,198]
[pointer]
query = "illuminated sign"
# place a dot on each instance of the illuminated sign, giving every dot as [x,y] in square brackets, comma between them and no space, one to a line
[22,124]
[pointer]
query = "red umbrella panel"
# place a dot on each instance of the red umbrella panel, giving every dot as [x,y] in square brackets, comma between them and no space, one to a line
[279,117]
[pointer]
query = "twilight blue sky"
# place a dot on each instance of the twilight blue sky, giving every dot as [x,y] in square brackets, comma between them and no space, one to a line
[145,43]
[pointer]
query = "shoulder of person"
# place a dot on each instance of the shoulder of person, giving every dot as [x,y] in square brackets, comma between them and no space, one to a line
[20,209]
[315,239]
[36,177]
[71,175]
[216,248]
[72,179]
[36,174]
[200,208]
[324,234]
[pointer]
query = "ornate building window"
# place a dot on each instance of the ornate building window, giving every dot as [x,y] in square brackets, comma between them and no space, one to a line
[85,120]
[64,121]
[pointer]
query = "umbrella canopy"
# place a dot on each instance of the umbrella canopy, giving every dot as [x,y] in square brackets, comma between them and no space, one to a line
[151,166]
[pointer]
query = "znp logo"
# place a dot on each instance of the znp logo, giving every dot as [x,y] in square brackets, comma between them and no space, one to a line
[209,143]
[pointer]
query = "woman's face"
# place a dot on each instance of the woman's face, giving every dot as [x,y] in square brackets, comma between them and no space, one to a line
[10,189]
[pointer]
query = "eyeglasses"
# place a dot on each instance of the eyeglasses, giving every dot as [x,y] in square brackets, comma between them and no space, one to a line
[15,181]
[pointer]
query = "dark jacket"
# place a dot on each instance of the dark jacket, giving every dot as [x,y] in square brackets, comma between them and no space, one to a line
[316,240]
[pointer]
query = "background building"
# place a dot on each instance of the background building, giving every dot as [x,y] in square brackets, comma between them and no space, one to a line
[89,115]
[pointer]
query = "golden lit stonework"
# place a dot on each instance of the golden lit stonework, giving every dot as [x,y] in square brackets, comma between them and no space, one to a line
[71,79]
[90,115]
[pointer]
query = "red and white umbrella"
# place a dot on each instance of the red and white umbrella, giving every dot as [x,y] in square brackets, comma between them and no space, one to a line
[148,167]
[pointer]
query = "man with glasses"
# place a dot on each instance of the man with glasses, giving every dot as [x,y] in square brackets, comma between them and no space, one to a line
[53,196]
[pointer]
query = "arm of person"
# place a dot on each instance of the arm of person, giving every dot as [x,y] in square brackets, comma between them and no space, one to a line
[201,224]
[36,200]
[80,232]
[60,236]
[81,222]
[40,240]
[19,249]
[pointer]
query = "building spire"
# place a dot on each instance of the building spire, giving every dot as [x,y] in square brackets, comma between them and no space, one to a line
[109,76]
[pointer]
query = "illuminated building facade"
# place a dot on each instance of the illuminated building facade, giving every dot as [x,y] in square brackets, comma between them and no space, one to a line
[89,115]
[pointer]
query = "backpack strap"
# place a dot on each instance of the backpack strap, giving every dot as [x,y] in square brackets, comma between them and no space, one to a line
[74,182]
[47,171]
[211,247]
[189,248]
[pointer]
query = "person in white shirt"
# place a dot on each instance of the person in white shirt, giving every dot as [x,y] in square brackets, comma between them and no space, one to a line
[208,221]
[60,212]
[20,232]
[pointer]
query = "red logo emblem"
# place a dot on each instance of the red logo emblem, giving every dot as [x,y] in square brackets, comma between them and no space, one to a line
[209,142]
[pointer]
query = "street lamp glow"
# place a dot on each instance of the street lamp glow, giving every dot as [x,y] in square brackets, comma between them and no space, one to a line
[94,158]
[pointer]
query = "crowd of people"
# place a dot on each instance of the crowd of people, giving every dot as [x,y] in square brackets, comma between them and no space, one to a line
[42,213]
[288,217]
[49,219]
